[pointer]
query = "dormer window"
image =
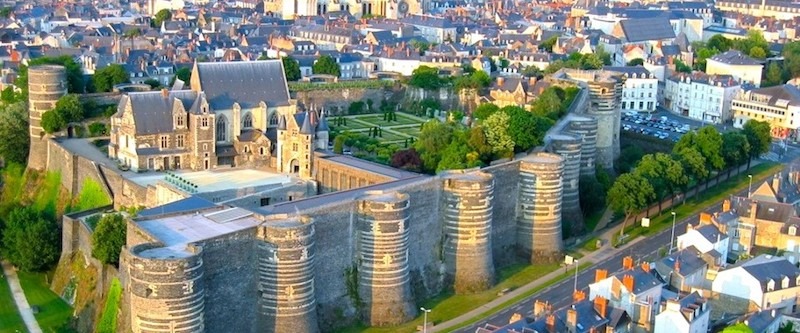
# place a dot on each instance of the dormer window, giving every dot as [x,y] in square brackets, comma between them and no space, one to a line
[793,230]
[785,282]
[770,285]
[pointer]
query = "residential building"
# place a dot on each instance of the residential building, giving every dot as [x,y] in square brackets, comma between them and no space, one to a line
[689,314]
[512,91]
[640,91]
[699,96]
[782,10]
[743,68]
[778,105]
[635,289]
[683,270]
[435,29]
[767,281]
[582,316]
[706,239]
[765,321]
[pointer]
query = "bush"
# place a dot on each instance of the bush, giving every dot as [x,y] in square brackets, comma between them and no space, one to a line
[30,241]
[52,122]
[109,238]
[97,129]
[91,196]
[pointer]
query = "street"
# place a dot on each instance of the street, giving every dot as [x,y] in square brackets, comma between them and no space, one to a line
[560,294]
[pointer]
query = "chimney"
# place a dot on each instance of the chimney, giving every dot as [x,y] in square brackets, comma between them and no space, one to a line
[540,309]
[532,81]
[164,92]
[677,267]
[572,318]
[753,209]
[646,266]
[578,296]
[600,274]
[776,182]
[627,263]
[600,305]
[515,317]
[689,227]
[726,205]
[705,218]
[500,80]
[627,281]
[408,52]
[550,323]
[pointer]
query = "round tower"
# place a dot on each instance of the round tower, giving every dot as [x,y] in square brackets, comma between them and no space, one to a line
[569,147]
[286,301]
[467,213]
[539,210]
[46,84]
[166,288]
[383,274]
[605,92]
[586,129]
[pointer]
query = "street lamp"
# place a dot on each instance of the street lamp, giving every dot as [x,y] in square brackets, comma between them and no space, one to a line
[672,238]
[750,187]
[576,274]
[425,320]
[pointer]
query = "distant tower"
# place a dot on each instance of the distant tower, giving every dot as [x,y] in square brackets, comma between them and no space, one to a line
[296,134]
[46,84]
[286,301]
[585,127]
[539,211]
[569,147]
[384,280]
[605,92]
[467,213]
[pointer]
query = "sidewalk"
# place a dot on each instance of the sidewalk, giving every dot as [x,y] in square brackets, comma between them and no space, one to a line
[19,297]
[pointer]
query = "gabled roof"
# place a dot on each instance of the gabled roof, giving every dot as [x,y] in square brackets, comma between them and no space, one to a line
[734,57]
[765,268]
[641,30]
[245,82]
[152,110]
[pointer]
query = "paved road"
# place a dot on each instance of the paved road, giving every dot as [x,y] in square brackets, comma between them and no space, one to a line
[643,249]
[19,297]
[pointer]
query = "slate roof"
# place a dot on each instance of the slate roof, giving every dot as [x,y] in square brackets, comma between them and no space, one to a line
[711,233]
[734,57]
[760,321]
[689,262]
[245,82]
[642,280]
[192,203]
[638,71]
[785,92]
[769,211]
[152,110]
[640,30]
[765,267]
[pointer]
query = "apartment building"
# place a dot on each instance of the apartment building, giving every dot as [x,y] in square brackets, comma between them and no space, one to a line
[778,105]
[640,91]
[743,68]
[700,96]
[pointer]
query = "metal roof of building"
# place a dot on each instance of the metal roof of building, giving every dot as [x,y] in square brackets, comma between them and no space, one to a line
[245,82]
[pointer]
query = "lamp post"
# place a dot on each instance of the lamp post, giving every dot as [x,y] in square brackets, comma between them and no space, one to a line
[672,238]
[750,187]
[576,274]
[425,320]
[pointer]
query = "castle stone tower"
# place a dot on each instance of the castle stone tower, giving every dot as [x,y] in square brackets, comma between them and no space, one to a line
[467,214]
[46,84]
[605,93]
[166,288]
[383,274]
[569,147]
[586,129]
[286,300]
[539,211]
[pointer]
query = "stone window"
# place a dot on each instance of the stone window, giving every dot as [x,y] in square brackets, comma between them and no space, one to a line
[222,129]
[261,150]
[294,146]
[248,121]
[204,122]
[164,141]
[179,141]
[179,121]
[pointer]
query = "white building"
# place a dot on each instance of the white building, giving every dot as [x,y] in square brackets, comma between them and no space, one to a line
[699,96]
[687,315]
[767,281]
[706,239]
[640,92]
[743,68]
[635,289]
[778,105]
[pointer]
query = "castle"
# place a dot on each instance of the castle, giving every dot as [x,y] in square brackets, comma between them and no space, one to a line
[370,249]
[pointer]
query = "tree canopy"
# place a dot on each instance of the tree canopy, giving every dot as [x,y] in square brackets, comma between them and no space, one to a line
[496,130]
[108,238]
[326,65]
[14,138]
[74,73]
[105,78]
[30,241]
[708,142]
[758,136]
[426,77]
[160,17]
[630,193]
[291,68]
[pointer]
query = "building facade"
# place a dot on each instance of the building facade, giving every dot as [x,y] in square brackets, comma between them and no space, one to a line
[699,96]
[778,105]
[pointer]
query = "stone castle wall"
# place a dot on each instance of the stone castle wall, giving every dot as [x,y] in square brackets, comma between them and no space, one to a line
[46,84]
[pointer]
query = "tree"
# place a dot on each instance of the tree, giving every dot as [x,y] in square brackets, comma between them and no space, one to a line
[407,159]
[708,142]
[291,68]
[636,62]
[757,52]
[548,104]
[755,40]
[426,78]
[738,328]
[680,66]
[526,129]
[495,128]
[532,71]
[693,163]
[735,149]
[630,194]
[326,65]
[628,158]
[591,61]
[14,132]
[74,73]
[774,76]
[759,138]
[108,238]
[719,42]
[70,109]
[484,110]
[665,174]
[133,33]
[184,74]
[455,156]
[592,195]
[787,327]
[9,96]
[30,241]
[478,142]
[52,122]
[162,16]
[153,83]
[105,78]
[548,44]
[791,59]
[604,56]
[434,137]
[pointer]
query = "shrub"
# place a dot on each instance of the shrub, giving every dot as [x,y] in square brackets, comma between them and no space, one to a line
[97,129]
[52,122]
[108,238]
[30,241]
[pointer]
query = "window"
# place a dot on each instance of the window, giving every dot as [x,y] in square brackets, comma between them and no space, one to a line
[222,128]
[179,141]
[179,121]
[205,147]
[785,282]
[204,122]
[793,230]
[770,285]
[294,146]
[261,150]
[248,121]
[273,120]
[164,141]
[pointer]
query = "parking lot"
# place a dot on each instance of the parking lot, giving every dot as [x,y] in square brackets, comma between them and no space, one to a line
[662,127]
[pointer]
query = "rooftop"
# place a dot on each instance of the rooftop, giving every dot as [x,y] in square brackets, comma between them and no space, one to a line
[178,230]
[218,180]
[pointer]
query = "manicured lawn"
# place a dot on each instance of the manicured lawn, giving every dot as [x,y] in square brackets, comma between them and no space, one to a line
[53,311]
[377,119]
[410,130]
[352,124]
[10,321]
[448,306]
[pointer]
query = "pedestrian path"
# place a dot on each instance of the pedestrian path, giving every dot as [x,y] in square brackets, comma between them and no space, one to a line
[19,297]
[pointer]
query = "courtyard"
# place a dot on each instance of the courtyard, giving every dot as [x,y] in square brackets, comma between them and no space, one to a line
[397,131]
